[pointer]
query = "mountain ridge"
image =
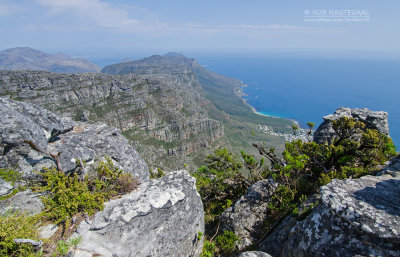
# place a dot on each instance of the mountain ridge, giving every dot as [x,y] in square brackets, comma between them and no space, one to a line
[26,58]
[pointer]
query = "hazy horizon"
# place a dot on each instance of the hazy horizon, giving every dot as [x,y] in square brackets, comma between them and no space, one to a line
[104,28]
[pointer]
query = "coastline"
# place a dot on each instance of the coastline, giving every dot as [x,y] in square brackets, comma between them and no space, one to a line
[239,92]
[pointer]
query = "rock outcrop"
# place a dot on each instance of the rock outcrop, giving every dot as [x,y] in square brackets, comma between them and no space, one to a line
[254,254]
[26,201]
[30,137]
[245,218]
[371,119]
[163,217]
[355,217]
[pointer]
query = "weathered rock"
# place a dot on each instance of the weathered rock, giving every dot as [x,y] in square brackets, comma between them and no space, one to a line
[5,187]
[25,201]
[254,254]
[245,218]
[161,218]
[29,135]
[356,217]
[371,119]
[47,231]
[89,142]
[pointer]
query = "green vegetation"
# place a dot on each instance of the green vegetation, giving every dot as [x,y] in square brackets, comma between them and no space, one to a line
[220,183]
[159,174]
[14,177]
[302,169]
[66,196]
[11,175]
[17,225]
[64,246]
[71,194]
[208,249]
[226,242]
[355,151]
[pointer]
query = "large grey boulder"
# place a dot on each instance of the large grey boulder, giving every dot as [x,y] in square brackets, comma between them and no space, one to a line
[355,217]
[371,119]
[163,217]
[245,218]
[31,136]
[5,187]
[26,201]
[254,254]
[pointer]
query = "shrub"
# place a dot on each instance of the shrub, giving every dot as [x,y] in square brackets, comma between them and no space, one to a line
[354,152]
[226,242]
[208,249]
[17,225]
[70,194]
[220,183]
[11,175]
[159,174]
[64,246]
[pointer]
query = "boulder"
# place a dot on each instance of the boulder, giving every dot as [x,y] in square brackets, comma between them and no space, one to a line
[371,119]
[26,201]
[355,217]
[163,217]
[31,136]
[245,218]
[254,254]
[5,187]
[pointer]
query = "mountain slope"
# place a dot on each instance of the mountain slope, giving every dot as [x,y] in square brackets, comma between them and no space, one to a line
[25,58]
[241,124]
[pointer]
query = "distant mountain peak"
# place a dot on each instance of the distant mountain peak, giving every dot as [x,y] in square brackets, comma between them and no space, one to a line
[26,58]
[174,54]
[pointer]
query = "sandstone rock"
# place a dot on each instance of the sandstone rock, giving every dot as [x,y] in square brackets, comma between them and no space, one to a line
[25,201]
[161,218]
[254,254]
[245,218]
[29,135]
[356,217]
[47,231]
[371,119]
[5,187]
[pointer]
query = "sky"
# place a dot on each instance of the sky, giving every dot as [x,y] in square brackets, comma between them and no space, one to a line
[105,27]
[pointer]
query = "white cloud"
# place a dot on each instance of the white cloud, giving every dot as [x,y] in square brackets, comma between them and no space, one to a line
[100,12]
[272,27]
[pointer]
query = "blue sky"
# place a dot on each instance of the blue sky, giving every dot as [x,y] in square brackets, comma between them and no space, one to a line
[150,26]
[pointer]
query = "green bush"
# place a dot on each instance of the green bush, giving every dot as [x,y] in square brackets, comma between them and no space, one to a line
[208,249]
[220,183]
[64,246]
[10,175]
[159,174]
[355,151]
[17,225]
[71,194]
[226,242]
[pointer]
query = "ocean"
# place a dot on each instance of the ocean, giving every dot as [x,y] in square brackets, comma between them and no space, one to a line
[307,88]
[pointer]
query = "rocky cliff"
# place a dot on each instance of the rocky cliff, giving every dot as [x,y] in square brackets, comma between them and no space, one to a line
[162,110]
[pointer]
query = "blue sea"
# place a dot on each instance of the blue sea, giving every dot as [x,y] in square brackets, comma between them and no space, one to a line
[306,88]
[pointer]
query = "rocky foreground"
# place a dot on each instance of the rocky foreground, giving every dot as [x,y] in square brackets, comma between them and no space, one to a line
[165,217]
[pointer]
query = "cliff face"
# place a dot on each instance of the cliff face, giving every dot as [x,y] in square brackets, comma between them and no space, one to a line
[160,105]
